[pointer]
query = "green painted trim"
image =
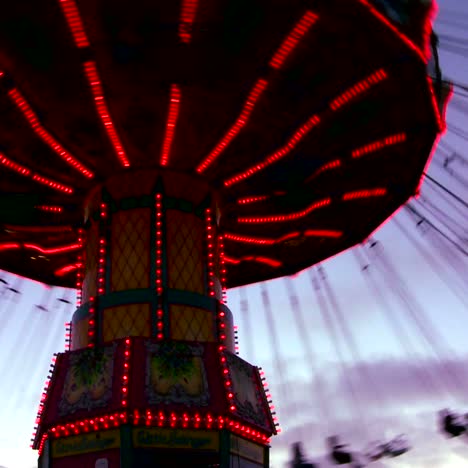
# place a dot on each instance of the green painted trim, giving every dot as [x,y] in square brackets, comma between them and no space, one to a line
[224,449]
[146,201]
[147,295]
[126,447]
[267,456]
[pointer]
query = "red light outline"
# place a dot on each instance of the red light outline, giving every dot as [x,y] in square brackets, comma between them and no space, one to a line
[292,235]
[277,155]
[150,417]
[288,217]
[75,23]
[36,177]
[187,17]
[80,271]
[38,248]
[210,252]
[97,91]
[379,144]
[101,274]
[441,125]
[267,261]
[241,121]
[359,88]
[62,271]
[222,268]
[174,105]
[253,199]
[390,25]
[292,40]
[159,272]
[327,166]
[365,193]
[24,107]
[50,208]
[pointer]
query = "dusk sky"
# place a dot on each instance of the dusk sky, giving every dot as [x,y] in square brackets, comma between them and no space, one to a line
[399,388]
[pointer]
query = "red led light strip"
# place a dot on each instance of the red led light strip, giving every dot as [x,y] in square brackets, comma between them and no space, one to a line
[222,268]
[277,155]
[187,17]
[9,246]
[91,321]
[390,25]
[291,41]
[126,372]
[358,89]
[38,248]
[150,417]
[269,399]
[249,200]
[159,273]
[80,269]
[288,217]
[103,111]
[378,192]
[267,261]
[67,269]
[292,235]
[102,256]
[378,145]
[44,396]
[440,121]
[244,116]
[37,178]
[330,165]
[210,252]
[45,136]
[75,23]
[174,105]
[227,380]
[50,208]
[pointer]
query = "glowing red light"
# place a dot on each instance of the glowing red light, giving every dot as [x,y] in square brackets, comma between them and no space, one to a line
[28,173]
[289,217]
[75,24]
[277,155]
[359,88]
[292,235]
[52,251]
[380,144]
[67,269]
[9,246]
[249,105]
[291,41]
[326,167]
[103,111]
[248,200]
[267,261]
[40,131]
[388,23]
[187,17]
[378,192]
[50,208]
[171,123]
[440,121]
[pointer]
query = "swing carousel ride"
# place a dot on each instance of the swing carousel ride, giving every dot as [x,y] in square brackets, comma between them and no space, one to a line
[155,154]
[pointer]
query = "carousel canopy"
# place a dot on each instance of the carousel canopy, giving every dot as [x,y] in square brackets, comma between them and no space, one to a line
[313,121]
